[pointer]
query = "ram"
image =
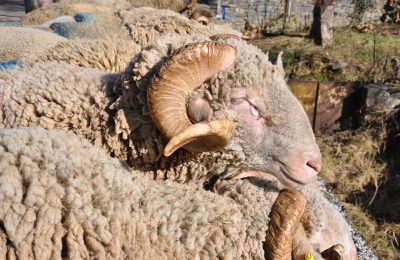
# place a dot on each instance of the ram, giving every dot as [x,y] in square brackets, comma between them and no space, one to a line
[222,101]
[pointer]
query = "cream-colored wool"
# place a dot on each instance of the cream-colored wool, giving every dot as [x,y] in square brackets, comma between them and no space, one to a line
[105,55]
[61,197]
[58,96]
[26,44]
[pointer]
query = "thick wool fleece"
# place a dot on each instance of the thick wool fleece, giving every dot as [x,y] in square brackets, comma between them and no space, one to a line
[54,95]
[61,197]
[25,44]
[100,54]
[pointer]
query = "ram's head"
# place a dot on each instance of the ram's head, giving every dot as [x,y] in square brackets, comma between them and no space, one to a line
[255,109]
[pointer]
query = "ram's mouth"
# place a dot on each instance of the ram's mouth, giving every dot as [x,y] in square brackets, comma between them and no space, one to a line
[307,174]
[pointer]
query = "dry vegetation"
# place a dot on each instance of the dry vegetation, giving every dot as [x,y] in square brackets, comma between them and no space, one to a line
[350,57]
[362,168]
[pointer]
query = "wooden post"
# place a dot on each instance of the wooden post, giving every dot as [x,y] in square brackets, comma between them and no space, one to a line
[219,12]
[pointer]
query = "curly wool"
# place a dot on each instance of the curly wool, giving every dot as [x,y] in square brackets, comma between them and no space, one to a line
[58,96]
[62,197]
[100,54]
[26,44]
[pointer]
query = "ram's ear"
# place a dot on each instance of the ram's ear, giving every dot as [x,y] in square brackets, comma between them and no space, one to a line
[198,109]
[279,65]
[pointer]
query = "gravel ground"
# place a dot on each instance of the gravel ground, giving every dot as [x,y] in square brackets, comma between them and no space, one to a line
[11,10]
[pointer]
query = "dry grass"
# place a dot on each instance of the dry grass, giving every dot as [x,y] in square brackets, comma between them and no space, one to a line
[361,170]
[304,60]
[361,167]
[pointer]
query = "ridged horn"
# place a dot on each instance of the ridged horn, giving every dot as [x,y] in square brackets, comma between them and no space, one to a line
[285,218]
[177,77]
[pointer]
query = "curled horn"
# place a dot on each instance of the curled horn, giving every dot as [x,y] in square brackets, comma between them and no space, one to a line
[177,77]
[285,218]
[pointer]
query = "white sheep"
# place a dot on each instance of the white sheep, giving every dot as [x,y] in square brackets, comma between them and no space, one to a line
[252,119]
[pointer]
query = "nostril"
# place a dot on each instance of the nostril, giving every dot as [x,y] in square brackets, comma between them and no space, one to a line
[314,165]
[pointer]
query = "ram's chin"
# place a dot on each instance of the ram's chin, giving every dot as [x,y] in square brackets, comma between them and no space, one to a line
[302,177]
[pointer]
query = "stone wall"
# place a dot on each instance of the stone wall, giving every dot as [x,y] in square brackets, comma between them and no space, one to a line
[271,13]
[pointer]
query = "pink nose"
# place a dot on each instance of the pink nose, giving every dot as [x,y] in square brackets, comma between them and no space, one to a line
[307,166]
[315,163]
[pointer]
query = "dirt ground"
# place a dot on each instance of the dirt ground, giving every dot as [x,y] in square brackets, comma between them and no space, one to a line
[11,10]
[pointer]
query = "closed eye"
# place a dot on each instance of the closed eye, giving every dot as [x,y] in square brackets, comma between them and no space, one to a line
[253,109]
[255,113]
[237,101]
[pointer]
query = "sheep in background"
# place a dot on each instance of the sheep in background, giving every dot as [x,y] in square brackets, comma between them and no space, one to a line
[71,7]
[61,197]
[26,44]
[124,114]
[142,25]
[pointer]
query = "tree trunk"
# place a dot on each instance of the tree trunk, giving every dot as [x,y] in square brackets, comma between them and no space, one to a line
[322,27]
